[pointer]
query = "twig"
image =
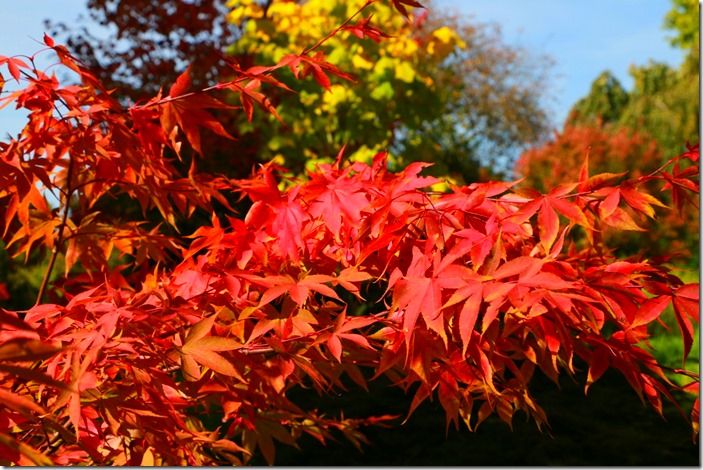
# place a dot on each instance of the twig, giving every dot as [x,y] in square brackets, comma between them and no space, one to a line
[337,29]
[62,228]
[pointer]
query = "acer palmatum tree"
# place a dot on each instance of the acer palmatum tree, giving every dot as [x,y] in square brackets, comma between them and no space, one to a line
[615,150]
[155,347]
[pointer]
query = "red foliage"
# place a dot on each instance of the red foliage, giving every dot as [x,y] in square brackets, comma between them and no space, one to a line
[608,150]
[618,152]
[470,291]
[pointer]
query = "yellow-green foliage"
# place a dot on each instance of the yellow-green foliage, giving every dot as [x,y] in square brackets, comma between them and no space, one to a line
[394,79]
[427,92]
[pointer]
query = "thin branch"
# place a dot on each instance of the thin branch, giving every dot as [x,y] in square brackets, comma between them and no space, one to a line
[220,86]
[337,29]
[62,229]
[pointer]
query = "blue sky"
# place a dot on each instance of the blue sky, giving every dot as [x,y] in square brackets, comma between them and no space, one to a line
[582,37]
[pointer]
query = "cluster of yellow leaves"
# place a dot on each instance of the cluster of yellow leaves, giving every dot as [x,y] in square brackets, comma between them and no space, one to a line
[395,68]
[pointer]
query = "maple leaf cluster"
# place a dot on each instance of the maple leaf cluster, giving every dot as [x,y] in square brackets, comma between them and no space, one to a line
[614,151]
[347,274]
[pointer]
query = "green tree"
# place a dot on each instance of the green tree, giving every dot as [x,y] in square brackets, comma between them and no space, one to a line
[683,20]
[664,103]
[606,100]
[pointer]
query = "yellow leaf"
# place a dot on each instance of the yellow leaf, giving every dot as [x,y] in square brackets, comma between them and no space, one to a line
[200,329]
[147,458]
[446,35]
[334,95]
[402,47]
[211,343]
[360,63]
[404,72]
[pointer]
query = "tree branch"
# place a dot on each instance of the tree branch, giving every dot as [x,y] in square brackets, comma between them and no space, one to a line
[62,229]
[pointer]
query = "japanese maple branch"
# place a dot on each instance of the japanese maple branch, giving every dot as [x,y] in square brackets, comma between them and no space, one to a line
[61,228]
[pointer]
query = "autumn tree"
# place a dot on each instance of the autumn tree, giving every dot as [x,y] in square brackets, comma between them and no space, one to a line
[607,149]
[441,89]
[139,46]
[156,346]
[615,151]
[438,89]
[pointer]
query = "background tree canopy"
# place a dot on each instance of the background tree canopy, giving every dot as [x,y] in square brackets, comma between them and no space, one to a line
[441,89]
[140,46]
[634,131]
